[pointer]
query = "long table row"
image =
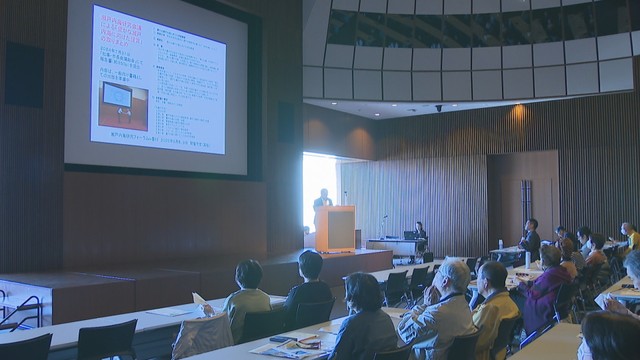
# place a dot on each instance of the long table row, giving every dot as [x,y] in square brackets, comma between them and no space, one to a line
[155,330]
[325,332]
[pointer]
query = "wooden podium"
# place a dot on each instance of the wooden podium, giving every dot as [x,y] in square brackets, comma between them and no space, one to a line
[335,228]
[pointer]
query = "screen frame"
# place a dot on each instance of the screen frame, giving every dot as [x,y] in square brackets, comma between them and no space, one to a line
[254,108]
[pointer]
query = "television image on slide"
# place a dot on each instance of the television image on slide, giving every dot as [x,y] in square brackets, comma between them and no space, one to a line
[123,107]
[116,94]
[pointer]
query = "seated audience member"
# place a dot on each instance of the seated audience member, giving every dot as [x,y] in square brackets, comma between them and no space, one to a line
[632,263]
[609,336]
[312,290]
[563,233]
[566,248]
[496,307]
[531,242]
[596,265]
[248,299]
[370,329]
[541,294]
[583,234]
[444,315]
[633,237]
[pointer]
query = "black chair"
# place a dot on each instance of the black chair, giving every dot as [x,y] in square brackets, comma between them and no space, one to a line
[401,353]
[617,269]
[107,341]
[427,257]
[464,347]
[505,336]
[313,313]
[565,301]
[471,263]
[33,349]
[261,324]
[428,281]
[417,283]
[536,334]
[395,288]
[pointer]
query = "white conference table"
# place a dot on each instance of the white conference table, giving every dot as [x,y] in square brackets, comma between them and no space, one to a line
[328,339]
[383,275]
[623,290]
[511,283]
[65,336]
[559,343]
[511,250]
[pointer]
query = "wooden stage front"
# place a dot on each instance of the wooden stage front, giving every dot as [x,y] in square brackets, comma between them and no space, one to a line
[88,293]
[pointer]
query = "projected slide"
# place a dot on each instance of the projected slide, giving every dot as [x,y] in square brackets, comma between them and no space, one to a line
[154,86]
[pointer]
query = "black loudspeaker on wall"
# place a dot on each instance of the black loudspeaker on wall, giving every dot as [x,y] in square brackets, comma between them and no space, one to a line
[24,80]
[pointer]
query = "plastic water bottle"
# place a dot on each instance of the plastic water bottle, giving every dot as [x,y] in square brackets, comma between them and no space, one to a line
[527,260]
[500,244]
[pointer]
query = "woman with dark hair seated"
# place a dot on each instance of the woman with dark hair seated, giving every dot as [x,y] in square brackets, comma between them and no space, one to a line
[609,336]
[540,296]
[370,329]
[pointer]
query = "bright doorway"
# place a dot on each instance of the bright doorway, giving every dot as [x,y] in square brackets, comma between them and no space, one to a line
[318,172]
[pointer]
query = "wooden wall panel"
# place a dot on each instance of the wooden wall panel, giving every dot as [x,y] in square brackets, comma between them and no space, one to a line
[127,219]
[340,134]
[31,143]
[446,194]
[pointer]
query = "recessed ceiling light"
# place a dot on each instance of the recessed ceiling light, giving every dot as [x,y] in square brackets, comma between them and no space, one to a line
[334,103]
[394,105]
[454,105]
[377,114]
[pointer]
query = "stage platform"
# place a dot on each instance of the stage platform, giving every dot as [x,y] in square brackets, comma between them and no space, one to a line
[81,294]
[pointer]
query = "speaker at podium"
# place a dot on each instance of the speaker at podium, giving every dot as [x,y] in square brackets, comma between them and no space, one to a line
[335,230]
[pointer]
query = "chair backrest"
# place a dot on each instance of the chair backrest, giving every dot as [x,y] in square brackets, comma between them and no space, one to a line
[396,282]
[471,263]
[33,349]
[395,289]
[617,270]
[107,341]
[464,347]
[262,324]
[429,279]
[564,300]
[427,257]
[313,313]
[505,335]
[418,276]
[401,353]
[198,336]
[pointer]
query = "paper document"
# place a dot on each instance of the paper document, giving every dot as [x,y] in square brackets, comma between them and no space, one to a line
[169,312]
[291,350]
[197,299]
[331,329]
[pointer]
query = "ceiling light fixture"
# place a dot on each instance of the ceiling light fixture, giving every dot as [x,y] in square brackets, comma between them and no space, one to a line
[394,105]
[334,103]
[377,114]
